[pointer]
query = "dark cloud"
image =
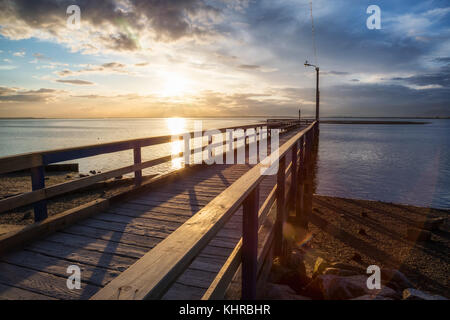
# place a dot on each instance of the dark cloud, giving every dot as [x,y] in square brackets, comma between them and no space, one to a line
[169,20]
[249,67]
[76,82]
[384,100]
[110,67]
[443,59]
[121,42]
[441,78]
[17,95]
[336,73]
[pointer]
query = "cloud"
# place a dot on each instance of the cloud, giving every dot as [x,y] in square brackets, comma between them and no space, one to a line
[335,73]
[440,78]
[13,95]
[109,24]
[248,67]
[40,56]
[7,67]
[20,54]
[76,82]
[111,67]
[442,59]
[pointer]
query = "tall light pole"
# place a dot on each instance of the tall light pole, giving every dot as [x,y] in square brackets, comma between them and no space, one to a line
[317,89]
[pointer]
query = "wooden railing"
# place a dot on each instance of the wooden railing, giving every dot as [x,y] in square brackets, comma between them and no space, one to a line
[152,275]
[38,160]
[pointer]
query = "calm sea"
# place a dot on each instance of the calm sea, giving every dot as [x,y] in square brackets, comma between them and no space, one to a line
[396,163]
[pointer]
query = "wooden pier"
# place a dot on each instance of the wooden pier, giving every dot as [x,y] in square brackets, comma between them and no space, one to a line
[202,232]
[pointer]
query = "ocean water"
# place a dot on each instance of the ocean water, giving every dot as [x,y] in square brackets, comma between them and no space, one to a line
[29,135]
[407,164]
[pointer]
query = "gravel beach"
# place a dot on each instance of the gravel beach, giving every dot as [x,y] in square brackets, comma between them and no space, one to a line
[364,233]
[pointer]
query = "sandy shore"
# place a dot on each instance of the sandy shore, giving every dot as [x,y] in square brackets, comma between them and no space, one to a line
[336,228]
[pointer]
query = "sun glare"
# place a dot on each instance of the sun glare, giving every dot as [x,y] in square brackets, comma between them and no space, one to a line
[174,85]
[176,126]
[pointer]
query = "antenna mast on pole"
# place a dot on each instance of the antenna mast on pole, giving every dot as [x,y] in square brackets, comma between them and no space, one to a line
[315,65]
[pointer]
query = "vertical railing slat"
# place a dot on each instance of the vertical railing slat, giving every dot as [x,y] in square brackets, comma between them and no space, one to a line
[137,160]
[37,183]
[250,245]
[301,179]
[281,187]
[294,177]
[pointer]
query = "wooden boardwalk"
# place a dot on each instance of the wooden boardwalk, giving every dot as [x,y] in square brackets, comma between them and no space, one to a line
[108,243]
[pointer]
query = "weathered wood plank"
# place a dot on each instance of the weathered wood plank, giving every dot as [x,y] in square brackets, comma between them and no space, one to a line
[57,222]
[114,236]
[181,292]
[99,245]
[77,255]
[42,283]
[12,293]
[39,262]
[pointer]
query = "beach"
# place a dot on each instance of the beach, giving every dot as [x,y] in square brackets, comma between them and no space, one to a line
[345,229]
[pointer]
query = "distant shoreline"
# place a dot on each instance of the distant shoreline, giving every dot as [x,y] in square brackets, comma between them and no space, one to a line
[371,122]
[224,117]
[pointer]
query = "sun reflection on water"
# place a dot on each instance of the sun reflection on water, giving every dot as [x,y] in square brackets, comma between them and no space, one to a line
[176,126]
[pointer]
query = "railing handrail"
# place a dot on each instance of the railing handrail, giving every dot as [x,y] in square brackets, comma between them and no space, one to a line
[37,160]
[34,159]
[152,275]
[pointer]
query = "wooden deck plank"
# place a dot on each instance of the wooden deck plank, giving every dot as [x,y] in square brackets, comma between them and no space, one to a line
[12,293]
[42,283]
[39,262]
[77,255]
[99,245]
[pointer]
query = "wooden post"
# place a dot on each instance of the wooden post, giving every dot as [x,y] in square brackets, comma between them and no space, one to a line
[294,177]
[307,203]
[317,95]
[301,179]
[250,245]
[281,185]
[137,160]
[38,182]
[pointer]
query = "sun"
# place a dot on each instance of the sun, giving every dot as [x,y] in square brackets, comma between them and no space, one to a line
[174,84]
[176,125]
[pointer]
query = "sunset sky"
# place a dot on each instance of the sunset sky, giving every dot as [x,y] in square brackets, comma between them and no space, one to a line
[154,58]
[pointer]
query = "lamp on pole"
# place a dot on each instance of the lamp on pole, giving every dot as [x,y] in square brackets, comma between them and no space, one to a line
[317,88]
